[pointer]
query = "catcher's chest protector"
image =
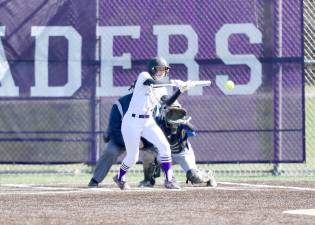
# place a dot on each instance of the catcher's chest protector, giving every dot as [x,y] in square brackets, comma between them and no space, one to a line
[178,141]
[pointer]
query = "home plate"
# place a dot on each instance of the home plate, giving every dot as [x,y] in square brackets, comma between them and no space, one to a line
[309,212]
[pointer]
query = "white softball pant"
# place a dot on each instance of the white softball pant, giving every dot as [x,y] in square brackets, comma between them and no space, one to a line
[186,159]
[133,129]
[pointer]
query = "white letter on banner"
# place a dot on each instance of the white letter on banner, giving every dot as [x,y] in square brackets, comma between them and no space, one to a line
[163,33]
[7,86]
[108,61]
[42,35]
[222,49]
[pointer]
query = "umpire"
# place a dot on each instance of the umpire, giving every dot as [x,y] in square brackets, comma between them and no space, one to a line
[115,143]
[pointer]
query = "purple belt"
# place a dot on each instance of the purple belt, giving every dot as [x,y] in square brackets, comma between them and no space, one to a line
[140,116]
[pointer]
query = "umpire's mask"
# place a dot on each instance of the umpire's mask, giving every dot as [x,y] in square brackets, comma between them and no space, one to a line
[174,116]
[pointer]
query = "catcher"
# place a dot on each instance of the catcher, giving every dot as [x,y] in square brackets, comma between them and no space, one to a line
[175,124]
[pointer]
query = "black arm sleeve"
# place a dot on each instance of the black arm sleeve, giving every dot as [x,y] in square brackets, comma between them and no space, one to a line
[148,82]
[169,101]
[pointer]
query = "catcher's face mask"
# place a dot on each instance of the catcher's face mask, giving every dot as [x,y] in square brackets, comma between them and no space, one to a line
[174,116]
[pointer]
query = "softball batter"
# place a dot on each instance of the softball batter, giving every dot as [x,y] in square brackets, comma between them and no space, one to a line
[138,122]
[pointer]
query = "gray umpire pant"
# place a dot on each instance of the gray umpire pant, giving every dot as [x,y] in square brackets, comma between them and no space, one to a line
[109,157]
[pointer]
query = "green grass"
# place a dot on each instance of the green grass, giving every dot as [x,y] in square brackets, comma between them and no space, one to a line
[83,179]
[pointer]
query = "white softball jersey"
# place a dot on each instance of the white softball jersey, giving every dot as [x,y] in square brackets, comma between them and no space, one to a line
[144,97]
[138,122]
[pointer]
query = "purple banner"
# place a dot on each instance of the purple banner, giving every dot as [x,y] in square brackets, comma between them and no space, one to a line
[54,34]
[48,71]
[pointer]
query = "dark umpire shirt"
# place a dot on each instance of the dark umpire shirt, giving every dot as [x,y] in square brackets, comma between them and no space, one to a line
[115,119]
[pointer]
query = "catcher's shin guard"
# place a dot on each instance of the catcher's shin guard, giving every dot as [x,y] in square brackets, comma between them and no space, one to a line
[194,176]
[151,171]
[198,177]
[157,169]
[211,179]
[151,167]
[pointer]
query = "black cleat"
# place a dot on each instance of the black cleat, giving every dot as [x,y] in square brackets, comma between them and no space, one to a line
[121,184]
[93,184]
[146,183]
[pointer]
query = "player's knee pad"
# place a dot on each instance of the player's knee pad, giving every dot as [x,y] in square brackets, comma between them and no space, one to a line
[149,156]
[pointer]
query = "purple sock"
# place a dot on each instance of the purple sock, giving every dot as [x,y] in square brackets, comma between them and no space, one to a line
[122,171]
[121,174]
[168,172]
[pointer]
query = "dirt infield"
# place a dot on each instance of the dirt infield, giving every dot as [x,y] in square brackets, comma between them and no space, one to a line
[229,203]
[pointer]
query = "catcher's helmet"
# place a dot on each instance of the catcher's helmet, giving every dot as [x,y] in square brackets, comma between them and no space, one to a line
[174,115]
[158,64]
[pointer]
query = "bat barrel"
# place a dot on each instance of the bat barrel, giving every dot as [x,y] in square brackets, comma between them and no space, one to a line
[194,82]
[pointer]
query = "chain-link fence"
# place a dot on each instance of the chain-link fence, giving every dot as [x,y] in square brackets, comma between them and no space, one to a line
[46,148]
[307,168]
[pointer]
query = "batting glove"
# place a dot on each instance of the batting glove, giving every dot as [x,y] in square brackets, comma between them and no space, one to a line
[186,86]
